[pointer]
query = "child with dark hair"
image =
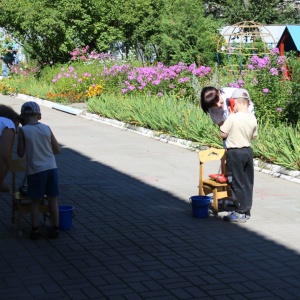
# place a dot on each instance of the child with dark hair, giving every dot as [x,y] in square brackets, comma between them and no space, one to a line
[213,102]
[38,142]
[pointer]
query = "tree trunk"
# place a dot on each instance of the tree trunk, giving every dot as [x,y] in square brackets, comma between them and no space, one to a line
[246,3]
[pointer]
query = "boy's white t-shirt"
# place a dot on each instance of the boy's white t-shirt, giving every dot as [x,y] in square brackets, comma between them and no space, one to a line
[241,128]
[219,115]
[39,153]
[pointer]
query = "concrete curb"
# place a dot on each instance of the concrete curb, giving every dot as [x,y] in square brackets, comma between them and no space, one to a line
[260,166]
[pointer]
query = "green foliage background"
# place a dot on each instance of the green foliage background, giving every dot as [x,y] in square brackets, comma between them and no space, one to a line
[170,31]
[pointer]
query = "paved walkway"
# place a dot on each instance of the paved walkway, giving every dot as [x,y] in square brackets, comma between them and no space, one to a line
[133,235]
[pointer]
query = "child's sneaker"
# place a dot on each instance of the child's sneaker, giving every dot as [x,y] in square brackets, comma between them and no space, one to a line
[235,217]
[248,214]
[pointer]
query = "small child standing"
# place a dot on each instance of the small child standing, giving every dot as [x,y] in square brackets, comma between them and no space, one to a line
[239,129]
[38,142]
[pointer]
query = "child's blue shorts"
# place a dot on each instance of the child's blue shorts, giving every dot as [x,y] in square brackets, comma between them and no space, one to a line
[43,183]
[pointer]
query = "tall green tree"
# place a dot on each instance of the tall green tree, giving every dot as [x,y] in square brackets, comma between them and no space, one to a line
[49,30]
[265,12]
[186,34]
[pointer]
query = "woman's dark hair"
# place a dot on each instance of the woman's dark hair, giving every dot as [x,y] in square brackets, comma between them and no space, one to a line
[9,113]
[209,97]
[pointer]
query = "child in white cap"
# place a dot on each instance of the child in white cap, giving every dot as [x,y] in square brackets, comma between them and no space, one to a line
[38,142]
[239,129]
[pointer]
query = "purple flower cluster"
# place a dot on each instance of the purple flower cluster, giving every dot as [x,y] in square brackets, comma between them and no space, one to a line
[84,55]
[81,82]
[258,63]
[68,74]
[115,70]
[274,71]
[274,51]
[156,76]
[238,85]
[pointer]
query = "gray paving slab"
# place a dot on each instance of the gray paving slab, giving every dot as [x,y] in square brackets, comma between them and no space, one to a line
[133,234]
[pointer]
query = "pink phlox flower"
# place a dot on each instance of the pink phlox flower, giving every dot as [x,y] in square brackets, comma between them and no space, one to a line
[201,71]
[85,49]
[279,109]
[156,82]
[80,80]
[184,79]
[254,59]
[160,94]
[251,67]
[74,84]
[67,75]
[127,83]
[62,69]
[266,59]
[124,91]
[82,57]
[86,74]
[273,71]
[71,69]
[75,52]
[139,79]
[59,76]
[261,64]
[233,84]
[160,65]
[192,67]
[54,80]
[280,60]
[274,51]
[142,85]
[266,90]
[241,83]
[131,87]
[171,86]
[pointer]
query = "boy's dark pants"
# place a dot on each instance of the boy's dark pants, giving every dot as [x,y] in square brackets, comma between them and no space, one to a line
[240,173]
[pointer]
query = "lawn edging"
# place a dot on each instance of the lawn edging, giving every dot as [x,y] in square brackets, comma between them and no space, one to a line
[81,110]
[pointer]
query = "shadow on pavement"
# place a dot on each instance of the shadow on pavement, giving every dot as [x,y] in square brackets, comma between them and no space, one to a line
[132,241]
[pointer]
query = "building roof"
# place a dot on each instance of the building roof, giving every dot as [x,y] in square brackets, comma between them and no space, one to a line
[294,31]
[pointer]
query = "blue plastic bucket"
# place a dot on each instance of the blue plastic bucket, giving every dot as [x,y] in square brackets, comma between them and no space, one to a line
[200,206]
[65,217]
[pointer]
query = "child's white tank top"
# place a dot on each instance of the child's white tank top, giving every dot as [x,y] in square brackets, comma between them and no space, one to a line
[39,153]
